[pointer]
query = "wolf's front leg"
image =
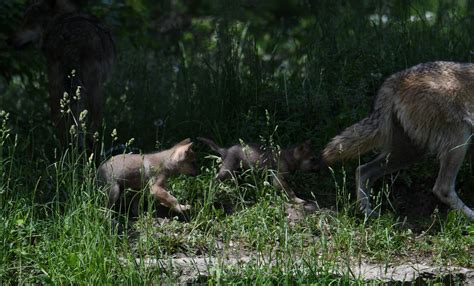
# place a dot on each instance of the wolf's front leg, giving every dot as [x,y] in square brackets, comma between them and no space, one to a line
[162,195]
[444,188]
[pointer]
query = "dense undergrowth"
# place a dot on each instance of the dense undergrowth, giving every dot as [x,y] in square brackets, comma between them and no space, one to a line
[242,75]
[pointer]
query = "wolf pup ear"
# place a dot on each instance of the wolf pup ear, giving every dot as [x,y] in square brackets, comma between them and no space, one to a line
[184,142]
[181,151]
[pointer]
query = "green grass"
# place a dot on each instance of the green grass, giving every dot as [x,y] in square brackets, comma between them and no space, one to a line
[70,240]
[229,79]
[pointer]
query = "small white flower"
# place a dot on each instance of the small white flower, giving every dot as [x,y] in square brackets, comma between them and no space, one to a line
[78,93]
[114,135]
[72,130]
[91,158]
[130,142]
[83,115]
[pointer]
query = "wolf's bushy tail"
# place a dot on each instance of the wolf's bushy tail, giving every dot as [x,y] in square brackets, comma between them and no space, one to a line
[221,151]
[354,140]
[371,132]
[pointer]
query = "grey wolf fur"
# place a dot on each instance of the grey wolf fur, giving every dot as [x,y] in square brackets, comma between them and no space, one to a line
[136,171]
[70,40]
[253,155]
[428,108]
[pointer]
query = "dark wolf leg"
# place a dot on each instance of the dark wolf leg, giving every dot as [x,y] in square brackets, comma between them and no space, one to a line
[78,94]
[444,188]
[402,154]
[65,112]
[56,93]
[92,77]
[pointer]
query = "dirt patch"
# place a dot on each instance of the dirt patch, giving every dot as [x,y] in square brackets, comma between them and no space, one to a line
[197,266]
[193,269]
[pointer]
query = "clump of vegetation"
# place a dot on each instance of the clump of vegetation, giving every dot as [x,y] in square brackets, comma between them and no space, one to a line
[276,72]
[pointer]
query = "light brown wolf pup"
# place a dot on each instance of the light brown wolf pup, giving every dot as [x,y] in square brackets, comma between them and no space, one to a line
[428,108]
[289,160]
[135,171]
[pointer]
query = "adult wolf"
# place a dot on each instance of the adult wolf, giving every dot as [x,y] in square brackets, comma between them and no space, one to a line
[79,51]
[428,108]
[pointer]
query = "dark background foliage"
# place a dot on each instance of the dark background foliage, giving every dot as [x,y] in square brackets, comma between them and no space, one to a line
[213,68]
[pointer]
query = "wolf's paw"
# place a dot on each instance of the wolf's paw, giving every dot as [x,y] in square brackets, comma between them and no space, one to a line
[182,208]
[469,214]
[298,201]
[311,207]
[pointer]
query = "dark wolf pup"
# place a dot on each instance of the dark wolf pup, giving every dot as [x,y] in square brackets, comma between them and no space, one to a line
[253,155]
[79,52]
[136,171]
[428,108]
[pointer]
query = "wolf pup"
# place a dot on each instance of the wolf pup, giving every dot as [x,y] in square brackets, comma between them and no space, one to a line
[70,40]
[428,108]
[253,155]
[136,171]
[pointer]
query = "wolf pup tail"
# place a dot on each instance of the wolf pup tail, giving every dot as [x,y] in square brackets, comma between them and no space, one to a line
[356,140]
[216,148]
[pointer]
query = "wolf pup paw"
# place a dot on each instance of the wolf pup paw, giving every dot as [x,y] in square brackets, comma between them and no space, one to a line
[298,201]
[182,208]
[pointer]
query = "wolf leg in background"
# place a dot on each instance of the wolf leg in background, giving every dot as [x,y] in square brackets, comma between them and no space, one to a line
[428,108]
[71,40]
[403,153]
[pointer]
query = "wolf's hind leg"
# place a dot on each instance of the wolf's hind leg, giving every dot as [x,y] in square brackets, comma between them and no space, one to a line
[444,188]
[402,154]
[366,175]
